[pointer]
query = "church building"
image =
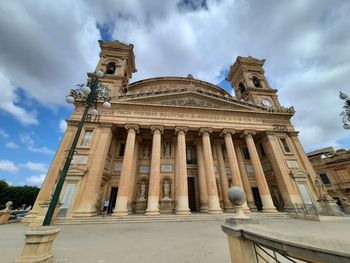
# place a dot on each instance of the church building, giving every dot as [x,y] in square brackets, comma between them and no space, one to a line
[175,145]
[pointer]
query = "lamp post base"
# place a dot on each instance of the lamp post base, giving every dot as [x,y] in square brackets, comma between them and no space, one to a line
[38,245]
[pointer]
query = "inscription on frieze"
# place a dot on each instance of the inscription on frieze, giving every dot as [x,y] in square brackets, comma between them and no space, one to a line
[182,116]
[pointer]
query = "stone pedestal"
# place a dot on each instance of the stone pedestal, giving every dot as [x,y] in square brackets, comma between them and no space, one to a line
[38,245]
[241,250]
[166,206]
[141,206]
[4,217]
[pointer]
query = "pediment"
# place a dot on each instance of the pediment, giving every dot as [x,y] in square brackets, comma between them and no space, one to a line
[193,99]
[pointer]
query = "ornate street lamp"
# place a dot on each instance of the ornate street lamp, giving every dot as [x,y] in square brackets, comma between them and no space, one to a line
[346,112]
[92,93]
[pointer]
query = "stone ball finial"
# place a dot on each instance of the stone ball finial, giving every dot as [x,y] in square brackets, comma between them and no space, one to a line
[236,196]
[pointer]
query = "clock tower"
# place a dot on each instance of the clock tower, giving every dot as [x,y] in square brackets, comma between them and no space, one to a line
[247,79]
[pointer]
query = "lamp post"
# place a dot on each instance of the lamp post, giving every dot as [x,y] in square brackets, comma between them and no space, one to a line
[346,113]
[91,93]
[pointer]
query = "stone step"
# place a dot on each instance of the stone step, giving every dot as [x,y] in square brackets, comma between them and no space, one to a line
[161,218]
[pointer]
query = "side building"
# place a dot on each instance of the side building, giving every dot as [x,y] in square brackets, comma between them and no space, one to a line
[333,171]
[176,144]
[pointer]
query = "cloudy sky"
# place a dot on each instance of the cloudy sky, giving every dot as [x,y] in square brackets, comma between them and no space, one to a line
[47,47]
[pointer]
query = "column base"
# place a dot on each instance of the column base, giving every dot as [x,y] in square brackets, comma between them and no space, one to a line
[182,206]
[270,210]
[214,205]
[120,213]
[267,203]
[215,212]
[84,213]
[152,213]
[183,212]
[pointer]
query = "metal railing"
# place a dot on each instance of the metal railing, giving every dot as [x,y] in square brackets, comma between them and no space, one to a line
[324,208]
[268,255]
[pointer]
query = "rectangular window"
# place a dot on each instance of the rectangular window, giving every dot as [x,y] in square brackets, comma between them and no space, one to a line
[285,145]
[87,138]
[121,149]
[262,151]
[325,179]
[305,194]
[246,154]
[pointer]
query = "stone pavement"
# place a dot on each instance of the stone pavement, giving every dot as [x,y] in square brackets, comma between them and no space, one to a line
[123,243]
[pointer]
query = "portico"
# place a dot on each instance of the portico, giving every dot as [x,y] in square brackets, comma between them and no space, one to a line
[176,145]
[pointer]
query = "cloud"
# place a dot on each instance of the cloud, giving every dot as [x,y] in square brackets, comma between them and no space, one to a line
[39,167]
[63,125]
[36,180]
[305,44]
[3,134]
[8,166]
[9,102]
[46,51]
[11,145]
[43,150]
[30,143]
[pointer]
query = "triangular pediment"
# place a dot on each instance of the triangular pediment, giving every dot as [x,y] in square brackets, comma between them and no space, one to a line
[192,98]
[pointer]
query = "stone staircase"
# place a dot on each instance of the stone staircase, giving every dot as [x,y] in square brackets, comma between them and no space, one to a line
[162,218]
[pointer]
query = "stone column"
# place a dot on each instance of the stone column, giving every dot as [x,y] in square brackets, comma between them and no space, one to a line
[121,206]
[213,198]
[153,190]
[305,161]
[223,176]
[203,192]
[233,163]
[245,180]
[133,176]
[283,179]
[89,192]
[264,191]
[182,190]
[53,173]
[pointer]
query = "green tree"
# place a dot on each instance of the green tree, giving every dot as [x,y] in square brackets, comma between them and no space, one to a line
[19,195]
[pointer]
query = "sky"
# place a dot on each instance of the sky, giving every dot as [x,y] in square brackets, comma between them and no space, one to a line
[47,47]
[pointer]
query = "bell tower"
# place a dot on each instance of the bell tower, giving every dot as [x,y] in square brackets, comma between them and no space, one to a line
[247,79]
[117,61]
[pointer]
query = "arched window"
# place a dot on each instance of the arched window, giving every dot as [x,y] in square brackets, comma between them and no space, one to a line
[256,82]
[241,87]
[111,68]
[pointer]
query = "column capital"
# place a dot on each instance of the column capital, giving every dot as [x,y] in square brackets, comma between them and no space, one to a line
[157,128]
[181,128]
[227,131]
[248,132]
[132,126]
[205,130]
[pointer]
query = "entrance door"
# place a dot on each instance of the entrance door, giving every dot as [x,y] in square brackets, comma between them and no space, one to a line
[191,194]
[112,199]
[257,198]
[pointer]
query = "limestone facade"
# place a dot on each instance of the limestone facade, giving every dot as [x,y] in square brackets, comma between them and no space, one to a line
[333,171]
[176,144]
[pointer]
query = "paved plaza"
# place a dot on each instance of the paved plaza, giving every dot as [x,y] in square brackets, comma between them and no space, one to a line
[180,242]
[138,242]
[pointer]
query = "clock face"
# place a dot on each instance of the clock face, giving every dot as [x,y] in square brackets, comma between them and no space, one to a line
[266,103]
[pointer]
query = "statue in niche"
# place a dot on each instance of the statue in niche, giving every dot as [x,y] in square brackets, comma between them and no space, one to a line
[146,152]
[142,194]
[166,190]
[167,149]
